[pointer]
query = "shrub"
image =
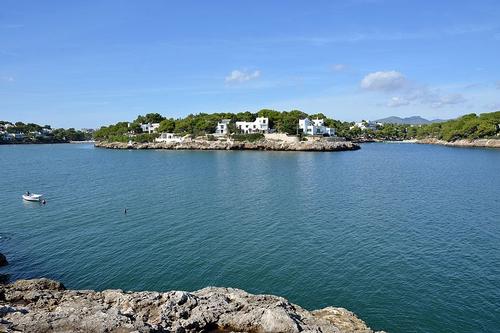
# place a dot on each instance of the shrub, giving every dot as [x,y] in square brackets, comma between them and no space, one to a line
[248,137]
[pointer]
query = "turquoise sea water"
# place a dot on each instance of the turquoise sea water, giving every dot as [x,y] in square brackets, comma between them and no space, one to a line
[406,236]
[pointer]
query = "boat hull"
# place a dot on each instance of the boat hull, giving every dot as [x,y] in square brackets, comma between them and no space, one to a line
[32,197]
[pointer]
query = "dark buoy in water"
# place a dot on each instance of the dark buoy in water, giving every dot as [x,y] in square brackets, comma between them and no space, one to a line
[44,202]
[125,211]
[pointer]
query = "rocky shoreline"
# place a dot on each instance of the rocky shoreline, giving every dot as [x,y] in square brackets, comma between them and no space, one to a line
[43,305]
[271,145]
[482,143]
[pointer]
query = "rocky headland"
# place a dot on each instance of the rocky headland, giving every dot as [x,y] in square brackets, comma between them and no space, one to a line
[263,144]
[43,305]
[483,143]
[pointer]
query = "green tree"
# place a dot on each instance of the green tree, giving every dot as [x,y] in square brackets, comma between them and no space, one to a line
[167,125]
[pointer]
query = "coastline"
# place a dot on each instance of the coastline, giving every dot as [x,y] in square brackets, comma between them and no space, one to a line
[479,143]
[268,145]
[44,143]
[42,305]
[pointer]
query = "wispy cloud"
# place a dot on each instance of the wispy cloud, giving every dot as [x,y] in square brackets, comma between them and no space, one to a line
[7,78]
[242,75]
[408,92]
[492,107]
[12,26]
[397,102]
[379,35]
[339,67]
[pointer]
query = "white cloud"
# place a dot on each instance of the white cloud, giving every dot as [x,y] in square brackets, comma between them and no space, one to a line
[242,75]
[384,81]
[339,67]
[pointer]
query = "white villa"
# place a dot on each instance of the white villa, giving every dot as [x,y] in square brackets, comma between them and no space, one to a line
[150,127]
[364,125]
[315,127]
[168,137]
[222,127]
[260,125]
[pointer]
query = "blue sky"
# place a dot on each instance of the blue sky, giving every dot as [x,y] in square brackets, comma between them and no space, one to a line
[92,63]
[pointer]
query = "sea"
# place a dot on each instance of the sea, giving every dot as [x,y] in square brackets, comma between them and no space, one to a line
[406,236]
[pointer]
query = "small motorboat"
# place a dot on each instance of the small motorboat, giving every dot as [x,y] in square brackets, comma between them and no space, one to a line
[32,197]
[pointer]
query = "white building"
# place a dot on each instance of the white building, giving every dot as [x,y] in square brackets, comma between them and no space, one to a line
[168,137]
[222,127]
[364,125]
[315,127]
[150,127]
[9,136]
[260,125]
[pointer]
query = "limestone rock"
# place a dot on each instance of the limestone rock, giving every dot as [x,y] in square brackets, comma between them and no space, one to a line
[43,305]
[483,143]
[263,144]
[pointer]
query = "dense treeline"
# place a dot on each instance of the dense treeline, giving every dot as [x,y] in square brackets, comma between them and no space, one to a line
[34,133]
[470,126]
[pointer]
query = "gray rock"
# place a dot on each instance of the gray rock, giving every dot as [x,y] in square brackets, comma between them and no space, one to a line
[43,305]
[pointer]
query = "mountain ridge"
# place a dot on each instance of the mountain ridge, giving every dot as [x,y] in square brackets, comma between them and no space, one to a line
[413,120]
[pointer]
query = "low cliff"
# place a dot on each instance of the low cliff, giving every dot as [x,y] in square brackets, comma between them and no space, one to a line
[275,145]
[484,143]
[43,305]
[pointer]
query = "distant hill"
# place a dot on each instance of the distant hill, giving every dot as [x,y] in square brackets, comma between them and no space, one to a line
[415,120]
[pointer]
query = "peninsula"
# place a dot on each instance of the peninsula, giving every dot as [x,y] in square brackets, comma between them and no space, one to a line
[43,305]
[265,130]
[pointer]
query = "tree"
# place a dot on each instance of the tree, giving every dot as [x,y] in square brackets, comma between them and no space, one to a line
[245,116]
[149,118]
[167,125]
[289,122]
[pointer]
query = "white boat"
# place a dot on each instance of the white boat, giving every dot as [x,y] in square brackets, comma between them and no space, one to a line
[32,197]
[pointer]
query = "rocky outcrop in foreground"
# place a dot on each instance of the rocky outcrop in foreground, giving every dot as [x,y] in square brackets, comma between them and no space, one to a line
[46,306]
[322,145]
[484,143]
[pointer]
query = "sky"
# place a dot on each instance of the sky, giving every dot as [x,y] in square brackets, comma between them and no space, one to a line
[85,64]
